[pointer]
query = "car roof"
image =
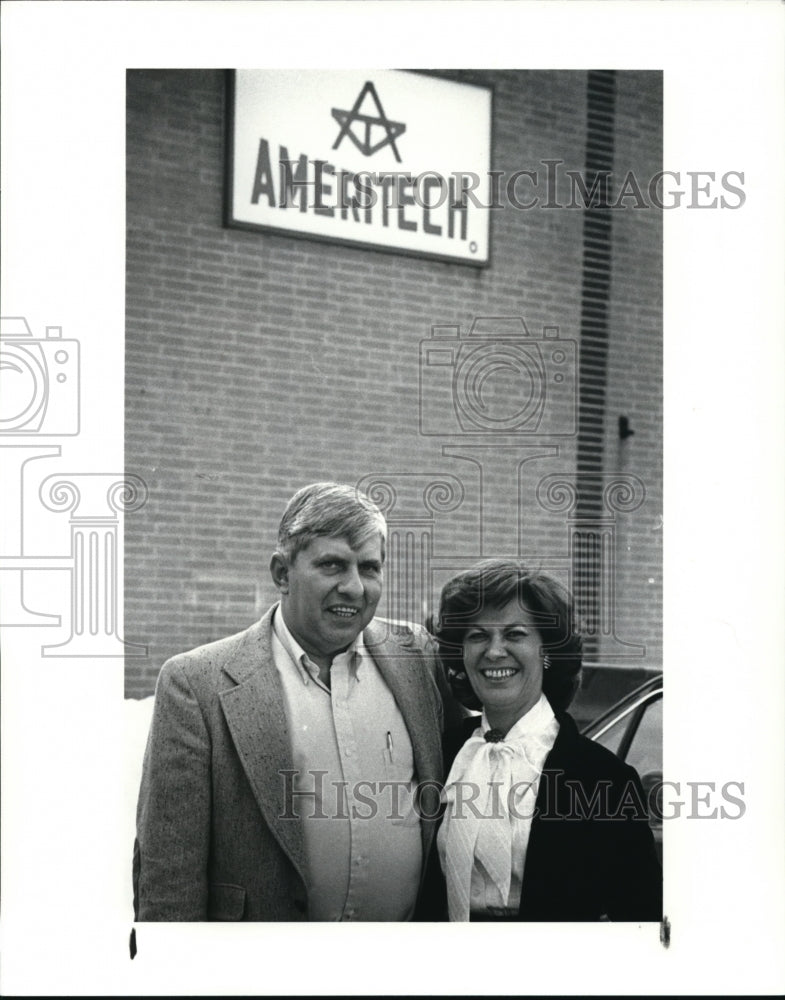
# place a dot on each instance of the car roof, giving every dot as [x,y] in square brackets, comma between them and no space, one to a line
[652,686]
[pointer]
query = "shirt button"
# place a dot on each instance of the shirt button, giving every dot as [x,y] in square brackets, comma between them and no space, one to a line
[348,751]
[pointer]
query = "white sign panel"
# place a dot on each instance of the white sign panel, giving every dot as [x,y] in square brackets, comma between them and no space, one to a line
[389,159]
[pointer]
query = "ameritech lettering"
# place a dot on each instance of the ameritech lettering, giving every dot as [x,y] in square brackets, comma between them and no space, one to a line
[428,203]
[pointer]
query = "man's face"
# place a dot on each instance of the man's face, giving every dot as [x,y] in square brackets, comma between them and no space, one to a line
[329,593]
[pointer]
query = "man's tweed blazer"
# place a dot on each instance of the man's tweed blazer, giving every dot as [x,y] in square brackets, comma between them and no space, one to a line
[212,843]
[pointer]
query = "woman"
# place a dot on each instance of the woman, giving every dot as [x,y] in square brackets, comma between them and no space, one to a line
[539,823]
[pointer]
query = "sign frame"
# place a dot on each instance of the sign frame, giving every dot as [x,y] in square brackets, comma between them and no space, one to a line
[231,222]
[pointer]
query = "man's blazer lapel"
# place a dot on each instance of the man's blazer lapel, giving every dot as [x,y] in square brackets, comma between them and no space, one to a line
[256,717]
[401,664]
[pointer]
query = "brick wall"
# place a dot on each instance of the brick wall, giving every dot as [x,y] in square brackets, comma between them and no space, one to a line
[256,363]
[635,362]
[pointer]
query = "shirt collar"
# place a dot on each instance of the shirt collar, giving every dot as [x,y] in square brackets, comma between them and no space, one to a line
[306,668]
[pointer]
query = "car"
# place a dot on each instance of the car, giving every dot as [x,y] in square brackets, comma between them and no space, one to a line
[632,729]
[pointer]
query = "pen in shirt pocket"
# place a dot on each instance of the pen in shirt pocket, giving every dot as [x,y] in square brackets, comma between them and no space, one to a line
[390,746]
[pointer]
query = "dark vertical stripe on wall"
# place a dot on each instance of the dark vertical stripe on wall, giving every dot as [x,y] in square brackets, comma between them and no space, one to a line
[595,295]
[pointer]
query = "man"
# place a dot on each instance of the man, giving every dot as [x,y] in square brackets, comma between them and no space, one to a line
[282,766]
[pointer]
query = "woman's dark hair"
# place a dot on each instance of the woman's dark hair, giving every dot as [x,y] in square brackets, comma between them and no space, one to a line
[494,583]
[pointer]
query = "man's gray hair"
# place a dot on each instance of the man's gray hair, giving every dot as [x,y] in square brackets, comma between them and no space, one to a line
[329,510]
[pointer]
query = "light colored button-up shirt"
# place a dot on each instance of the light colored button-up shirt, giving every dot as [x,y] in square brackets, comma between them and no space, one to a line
[353,786]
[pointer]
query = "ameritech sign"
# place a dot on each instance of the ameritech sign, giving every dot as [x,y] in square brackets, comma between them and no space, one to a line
[388,159]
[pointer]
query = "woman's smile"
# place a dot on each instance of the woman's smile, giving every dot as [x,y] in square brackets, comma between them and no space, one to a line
[502,654]
[498,673]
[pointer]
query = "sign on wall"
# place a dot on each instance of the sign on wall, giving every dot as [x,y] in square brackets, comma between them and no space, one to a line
[387,159]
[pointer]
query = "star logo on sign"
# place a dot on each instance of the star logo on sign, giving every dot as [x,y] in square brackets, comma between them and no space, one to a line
[347,118]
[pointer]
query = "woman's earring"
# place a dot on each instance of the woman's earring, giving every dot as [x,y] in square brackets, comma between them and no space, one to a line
[546,662]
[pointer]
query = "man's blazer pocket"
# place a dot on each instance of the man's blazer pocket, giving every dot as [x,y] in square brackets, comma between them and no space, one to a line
[225,902]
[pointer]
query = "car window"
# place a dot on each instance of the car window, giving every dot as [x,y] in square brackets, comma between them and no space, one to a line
[612,737]
[645,753]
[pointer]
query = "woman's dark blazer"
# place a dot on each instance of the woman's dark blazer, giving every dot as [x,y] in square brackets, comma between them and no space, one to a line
[591,852]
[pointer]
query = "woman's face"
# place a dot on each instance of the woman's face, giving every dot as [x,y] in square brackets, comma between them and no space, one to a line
[503,658]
